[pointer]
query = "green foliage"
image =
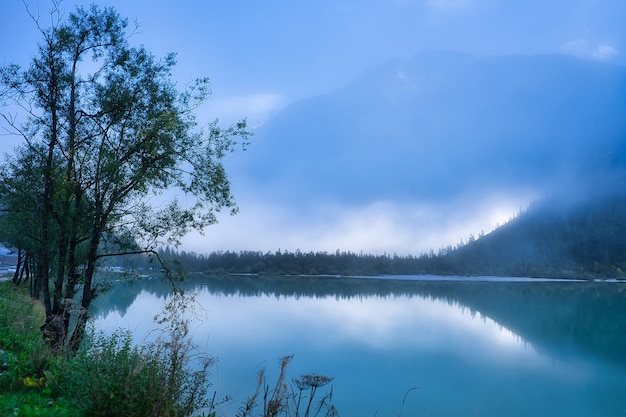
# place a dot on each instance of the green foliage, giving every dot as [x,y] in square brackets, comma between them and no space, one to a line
[106,129]
[113,377]
[164,377]
[108,376]
[85,374]
[28,370]
[34,404]
[24,353]
[295,263]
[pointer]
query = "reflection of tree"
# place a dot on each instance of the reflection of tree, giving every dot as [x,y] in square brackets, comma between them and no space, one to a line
[554,317]
[558,318]
[122,290]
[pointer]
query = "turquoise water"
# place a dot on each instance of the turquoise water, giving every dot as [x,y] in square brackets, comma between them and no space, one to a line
[455,348]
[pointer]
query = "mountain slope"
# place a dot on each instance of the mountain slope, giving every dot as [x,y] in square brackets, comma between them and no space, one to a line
[417,153]
[552,238]
[441,124]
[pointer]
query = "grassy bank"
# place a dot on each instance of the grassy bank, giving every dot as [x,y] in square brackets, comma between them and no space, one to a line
[27,368]
[109,376]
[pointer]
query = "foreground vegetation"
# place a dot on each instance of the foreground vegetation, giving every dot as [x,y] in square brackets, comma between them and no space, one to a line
[108,376]
[27,367]
[111,376]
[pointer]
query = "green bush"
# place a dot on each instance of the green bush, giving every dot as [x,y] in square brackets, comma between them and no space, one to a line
[114,377]
[24,353]
[109,375]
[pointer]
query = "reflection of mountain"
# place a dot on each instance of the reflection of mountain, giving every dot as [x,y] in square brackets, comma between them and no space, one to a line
[554,317]
[557,318]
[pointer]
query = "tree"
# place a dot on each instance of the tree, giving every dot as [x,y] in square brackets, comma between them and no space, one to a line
[107,131]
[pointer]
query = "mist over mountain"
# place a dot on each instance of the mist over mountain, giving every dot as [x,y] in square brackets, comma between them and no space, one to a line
[417,154]
[443,124]
[577,240]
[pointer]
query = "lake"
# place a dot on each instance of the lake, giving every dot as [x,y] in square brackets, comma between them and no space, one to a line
[485,347]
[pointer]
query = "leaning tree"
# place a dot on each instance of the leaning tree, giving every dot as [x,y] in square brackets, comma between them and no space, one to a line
[107,134]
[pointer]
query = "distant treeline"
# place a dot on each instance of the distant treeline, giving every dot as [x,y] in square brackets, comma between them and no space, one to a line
[546,240]
[296,263]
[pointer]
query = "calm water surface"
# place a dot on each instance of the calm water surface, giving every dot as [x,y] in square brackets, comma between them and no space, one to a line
[472,348]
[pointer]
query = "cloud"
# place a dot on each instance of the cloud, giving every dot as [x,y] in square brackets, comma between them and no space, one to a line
[576,47]
[255,107]
[585,49]
[604,52]
[404,228]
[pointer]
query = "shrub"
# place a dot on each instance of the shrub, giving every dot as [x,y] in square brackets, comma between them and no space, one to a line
[112,377]
[165,377]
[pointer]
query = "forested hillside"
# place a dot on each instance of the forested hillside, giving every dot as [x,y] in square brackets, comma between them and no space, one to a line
[587,239]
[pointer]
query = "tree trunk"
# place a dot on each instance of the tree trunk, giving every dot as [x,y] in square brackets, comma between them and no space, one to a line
[42,290]
[72,281]
[51,335]
[54,332]
[60,278]
[89,293]
[17,276]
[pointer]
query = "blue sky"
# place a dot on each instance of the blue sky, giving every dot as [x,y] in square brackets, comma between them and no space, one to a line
[262,56]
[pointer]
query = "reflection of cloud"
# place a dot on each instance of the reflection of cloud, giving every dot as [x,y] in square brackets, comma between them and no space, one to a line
[584,49]
[410,338]
[139,317]
[421,323]
[380,323]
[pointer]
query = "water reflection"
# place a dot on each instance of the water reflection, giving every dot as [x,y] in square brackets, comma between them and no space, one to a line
[485,349]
